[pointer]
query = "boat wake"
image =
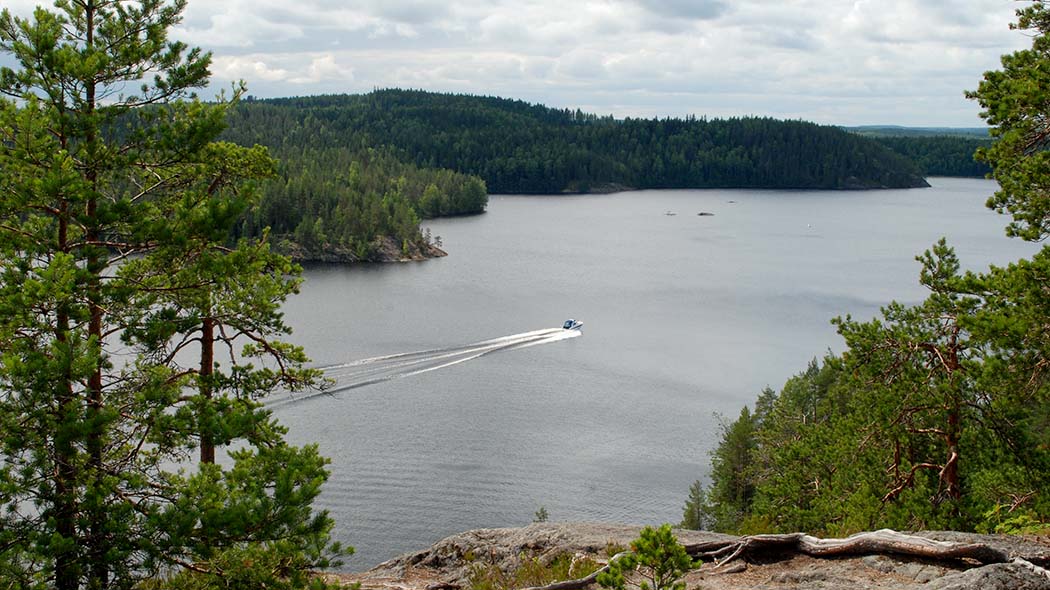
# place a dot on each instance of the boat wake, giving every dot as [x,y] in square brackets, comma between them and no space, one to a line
[370,371]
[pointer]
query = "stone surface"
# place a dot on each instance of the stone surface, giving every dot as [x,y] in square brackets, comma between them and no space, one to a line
[998,576]
[447,564]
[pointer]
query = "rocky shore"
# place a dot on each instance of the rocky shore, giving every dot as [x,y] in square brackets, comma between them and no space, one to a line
[448,564]
[383,249]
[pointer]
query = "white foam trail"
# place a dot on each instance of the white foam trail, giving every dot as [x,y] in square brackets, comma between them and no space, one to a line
[370,371]
[427,353]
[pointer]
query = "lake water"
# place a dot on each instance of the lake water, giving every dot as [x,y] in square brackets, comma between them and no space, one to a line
[686,318]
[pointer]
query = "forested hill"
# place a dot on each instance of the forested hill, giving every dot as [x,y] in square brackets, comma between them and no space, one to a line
[517,147]
[941,155]
[938,151]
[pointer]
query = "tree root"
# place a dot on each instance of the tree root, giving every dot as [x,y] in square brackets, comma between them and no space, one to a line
[881,542]
[884,542]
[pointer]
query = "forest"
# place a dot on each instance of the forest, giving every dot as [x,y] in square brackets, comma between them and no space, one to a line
[941,155]
[936,415]
[355,171]
[336,197]
[516,147]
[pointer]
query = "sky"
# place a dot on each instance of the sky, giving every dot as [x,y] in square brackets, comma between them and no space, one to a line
[843,62]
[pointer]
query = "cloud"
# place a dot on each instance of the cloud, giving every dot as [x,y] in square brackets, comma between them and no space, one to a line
[834,61]
[689,9]
[324,68]
[247,68]
[418,12]
[293,69]
[964,22]
[229,29]
[581,65]
[21,8]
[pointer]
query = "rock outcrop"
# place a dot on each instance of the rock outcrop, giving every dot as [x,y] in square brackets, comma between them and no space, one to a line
[448,564]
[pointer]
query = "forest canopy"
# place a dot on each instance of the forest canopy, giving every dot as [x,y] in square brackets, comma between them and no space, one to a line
[516,147]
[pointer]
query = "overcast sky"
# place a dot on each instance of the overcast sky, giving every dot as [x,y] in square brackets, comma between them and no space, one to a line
[848,62]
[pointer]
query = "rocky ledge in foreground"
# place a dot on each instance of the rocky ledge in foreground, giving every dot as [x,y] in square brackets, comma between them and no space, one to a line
[770,566]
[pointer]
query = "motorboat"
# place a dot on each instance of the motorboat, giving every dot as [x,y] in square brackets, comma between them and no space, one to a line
[571,324]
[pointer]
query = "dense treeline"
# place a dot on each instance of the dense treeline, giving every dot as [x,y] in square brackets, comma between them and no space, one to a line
[840,449]
[521,148]
[936,415]
[899,131]
[334,198]
[941,155]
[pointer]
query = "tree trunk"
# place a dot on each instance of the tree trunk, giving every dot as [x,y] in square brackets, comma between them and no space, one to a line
[206,371]
[98,543]
[67,574]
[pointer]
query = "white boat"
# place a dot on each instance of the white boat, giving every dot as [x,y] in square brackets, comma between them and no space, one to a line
[571,324]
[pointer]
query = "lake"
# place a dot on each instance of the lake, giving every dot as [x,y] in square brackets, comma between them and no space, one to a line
[686,318]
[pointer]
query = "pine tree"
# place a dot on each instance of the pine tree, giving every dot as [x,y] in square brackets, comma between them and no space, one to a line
[656,562]
[115,204]
[694,515]
[1014,101]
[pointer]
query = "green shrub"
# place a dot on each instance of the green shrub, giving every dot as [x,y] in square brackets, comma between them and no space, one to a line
[657,563]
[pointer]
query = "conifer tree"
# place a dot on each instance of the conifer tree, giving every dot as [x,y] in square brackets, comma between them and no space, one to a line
[115,204]
[694,514]
[1014,100]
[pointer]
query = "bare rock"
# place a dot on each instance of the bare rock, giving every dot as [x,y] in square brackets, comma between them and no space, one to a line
[1035,549]
[448,564]
[910,569]
[998,576]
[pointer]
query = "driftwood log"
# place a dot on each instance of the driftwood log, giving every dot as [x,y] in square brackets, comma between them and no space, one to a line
[881,542]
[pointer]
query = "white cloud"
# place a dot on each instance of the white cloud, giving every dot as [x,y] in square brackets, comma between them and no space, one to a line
[324,68]
[581,65]
[247,68]
[229,29]
[834,61]
[687,9]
